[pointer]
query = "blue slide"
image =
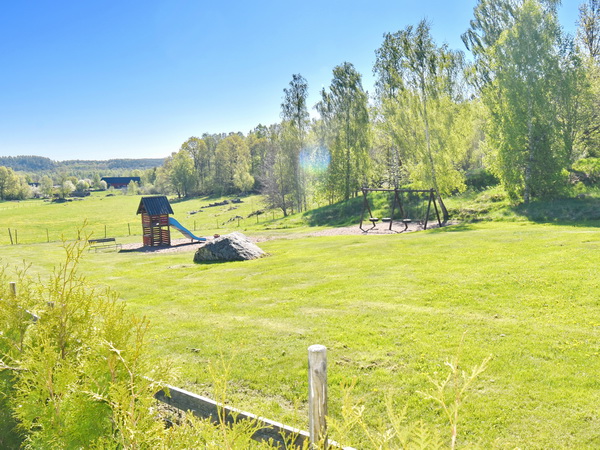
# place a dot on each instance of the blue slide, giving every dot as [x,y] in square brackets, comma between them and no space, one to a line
[183,230]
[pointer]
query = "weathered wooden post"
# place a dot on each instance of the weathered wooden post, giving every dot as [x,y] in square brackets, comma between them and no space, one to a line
[129,228]
[10,235]
[16,237]
[104,231]
[317,394]
[13,288]
[47,235]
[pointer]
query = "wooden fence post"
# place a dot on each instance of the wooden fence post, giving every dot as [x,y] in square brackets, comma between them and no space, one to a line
[47,235]
[10,235]
[16,237]
[129,228]
[13,288]
[317,394]
[104,231]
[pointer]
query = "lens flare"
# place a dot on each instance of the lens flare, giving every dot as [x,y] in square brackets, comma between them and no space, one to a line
[315,159]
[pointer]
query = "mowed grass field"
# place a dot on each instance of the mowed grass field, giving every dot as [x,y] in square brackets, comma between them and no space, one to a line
[112,214]
[390,309]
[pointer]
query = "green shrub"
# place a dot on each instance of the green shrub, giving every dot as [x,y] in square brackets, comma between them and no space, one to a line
[589,169]
[480,179]
[77,371]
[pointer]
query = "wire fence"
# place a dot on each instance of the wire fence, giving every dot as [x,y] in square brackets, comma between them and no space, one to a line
[39,234]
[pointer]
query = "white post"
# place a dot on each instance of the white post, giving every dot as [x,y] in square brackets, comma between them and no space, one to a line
[317,394]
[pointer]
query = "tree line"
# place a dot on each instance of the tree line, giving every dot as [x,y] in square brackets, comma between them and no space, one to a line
[524,111]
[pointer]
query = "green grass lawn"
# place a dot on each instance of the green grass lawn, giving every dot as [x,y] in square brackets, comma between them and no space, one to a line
[391,310]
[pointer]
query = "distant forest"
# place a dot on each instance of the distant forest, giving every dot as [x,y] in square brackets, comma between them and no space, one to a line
[37,164]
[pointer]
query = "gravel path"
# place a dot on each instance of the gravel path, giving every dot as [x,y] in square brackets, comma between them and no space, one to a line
[185,245]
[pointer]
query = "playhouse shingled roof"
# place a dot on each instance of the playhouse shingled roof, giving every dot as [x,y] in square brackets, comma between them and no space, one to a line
[155,206]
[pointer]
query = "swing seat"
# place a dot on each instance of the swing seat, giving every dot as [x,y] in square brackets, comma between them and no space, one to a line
[373,221]
[406,222]
[386,219]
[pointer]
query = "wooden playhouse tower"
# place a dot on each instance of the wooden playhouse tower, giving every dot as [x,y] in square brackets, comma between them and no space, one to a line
[155,220]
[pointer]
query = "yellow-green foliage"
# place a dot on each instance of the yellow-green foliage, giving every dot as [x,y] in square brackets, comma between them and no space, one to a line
[78,369]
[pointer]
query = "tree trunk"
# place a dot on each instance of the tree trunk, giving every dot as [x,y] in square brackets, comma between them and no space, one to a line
[530,156]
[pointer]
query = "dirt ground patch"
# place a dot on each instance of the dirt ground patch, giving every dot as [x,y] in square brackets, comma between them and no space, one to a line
[185,245]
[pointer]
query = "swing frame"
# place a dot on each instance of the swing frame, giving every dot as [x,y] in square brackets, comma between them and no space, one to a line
[398,201]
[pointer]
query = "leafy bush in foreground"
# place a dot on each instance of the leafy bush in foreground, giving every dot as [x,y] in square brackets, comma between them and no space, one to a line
[76,371]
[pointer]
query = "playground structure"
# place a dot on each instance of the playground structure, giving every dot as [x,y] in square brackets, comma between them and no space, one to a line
[156,222]
[397,204]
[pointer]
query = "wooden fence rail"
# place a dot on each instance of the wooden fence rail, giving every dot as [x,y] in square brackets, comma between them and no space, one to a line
[203,407]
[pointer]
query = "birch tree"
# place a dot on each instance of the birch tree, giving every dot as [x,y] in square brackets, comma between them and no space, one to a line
[420,95]
[524,76]
[180,172]
[344,112]
[295,128]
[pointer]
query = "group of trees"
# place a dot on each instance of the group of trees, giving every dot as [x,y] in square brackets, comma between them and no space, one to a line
[15,186]
[525,110]
[12,185]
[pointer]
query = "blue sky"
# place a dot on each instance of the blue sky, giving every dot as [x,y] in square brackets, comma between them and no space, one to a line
[99,79]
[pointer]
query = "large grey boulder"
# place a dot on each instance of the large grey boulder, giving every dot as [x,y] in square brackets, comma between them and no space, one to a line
[231,247]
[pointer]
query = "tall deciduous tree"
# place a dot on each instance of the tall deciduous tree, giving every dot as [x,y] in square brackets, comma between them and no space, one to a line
[180,172]
[8,180]
[588,40]
[521,65]
[203,160]
[588,32]
[345,117]
[47,186]
[276,183]
[258,144]
[420,91]
[233,165]
[295,128]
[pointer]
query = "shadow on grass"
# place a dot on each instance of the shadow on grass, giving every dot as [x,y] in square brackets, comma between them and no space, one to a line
[337,215]
[581,212]
[452,228]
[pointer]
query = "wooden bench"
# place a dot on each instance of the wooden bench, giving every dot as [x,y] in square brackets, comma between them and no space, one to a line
[97,244]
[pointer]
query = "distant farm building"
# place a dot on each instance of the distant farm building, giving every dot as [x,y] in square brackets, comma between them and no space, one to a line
[119,182]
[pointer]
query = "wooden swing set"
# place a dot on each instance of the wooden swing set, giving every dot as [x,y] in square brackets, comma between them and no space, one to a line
[397,203]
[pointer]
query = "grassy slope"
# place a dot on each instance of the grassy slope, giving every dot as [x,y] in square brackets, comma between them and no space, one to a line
[391,310]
